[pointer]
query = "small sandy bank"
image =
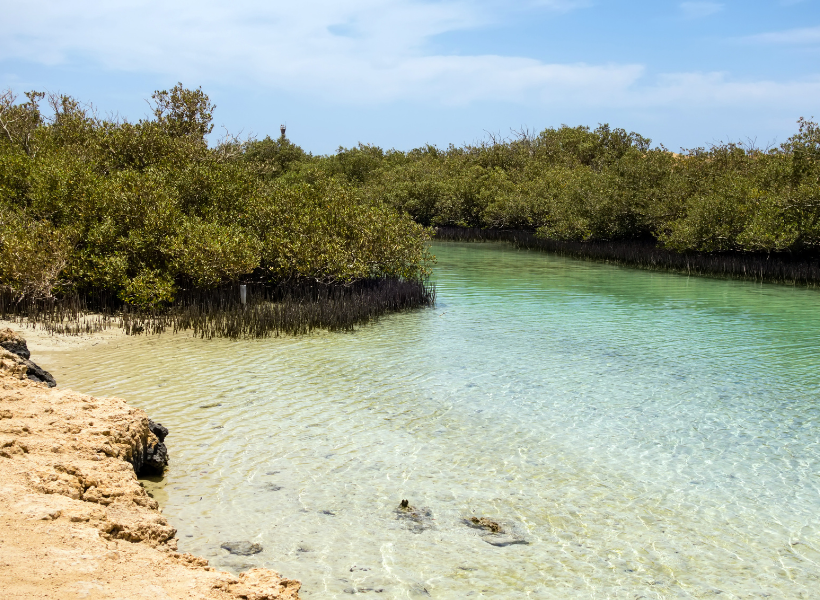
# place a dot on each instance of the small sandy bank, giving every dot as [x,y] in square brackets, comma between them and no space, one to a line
[40,340]
[74,520]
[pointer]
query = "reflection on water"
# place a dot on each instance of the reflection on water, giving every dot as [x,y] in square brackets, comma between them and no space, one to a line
[649,436]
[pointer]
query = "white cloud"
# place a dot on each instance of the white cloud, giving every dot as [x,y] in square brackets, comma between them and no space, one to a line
[697,10]
[360,52]
[798,37]
[709,90]
[357,51]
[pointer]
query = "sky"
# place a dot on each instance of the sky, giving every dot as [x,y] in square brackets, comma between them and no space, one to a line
[404,73]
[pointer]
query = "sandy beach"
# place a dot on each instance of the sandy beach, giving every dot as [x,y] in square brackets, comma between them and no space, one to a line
[74,520]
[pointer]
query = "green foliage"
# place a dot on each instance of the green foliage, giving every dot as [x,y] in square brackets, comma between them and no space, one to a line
[183,112]
[33,254]
[272,158]
[145,210]
[578,184]
[210,253]
[353,241]
[149,290]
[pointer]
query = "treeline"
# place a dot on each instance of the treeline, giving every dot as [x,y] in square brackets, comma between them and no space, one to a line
[139,214]
[147,215]
[578,184]
[730,209]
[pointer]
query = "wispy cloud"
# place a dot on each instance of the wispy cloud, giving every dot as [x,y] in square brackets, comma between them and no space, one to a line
[360,52]
[794,37]
[698,10]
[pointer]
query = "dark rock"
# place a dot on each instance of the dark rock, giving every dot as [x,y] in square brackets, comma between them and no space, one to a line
[242,548]
[152,459]
[272,487]
[158,430]
[14,343]
[156,458]
[35,373]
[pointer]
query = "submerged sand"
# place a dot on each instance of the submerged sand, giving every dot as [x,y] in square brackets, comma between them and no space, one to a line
[75,521]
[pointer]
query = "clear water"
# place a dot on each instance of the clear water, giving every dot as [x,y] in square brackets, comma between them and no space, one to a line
[650,436]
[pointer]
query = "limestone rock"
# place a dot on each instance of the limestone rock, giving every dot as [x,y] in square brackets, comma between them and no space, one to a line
[14,358]
[242,548]
[72,510]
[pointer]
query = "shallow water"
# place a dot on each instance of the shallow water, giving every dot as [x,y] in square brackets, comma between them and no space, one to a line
[649,435]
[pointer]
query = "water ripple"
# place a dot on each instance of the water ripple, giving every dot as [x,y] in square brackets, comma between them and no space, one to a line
[650,435]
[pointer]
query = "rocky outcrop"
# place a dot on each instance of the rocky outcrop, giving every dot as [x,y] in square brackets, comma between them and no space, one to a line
[13,349]
[149,455]
[74,519]
[15,343]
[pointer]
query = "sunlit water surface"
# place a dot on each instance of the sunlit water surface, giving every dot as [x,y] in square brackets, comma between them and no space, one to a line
[649,435]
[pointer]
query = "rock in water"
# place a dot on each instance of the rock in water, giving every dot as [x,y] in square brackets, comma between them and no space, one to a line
[35,373]
[158,430]
[14,343]
[503,539]
[156,453]
[500,534]
[242,548]
[416,519]
[485,523]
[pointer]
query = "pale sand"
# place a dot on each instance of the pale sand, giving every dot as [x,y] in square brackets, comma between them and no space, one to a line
[74,520]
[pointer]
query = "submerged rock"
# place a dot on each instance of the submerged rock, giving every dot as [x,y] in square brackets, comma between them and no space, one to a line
[485,523]
[416,519]
[503,539]
[242,548]
[500,534]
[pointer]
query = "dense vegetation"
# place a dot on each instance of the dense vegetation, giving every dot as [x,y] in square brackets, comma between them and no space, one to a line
[731,209]
[606,184]
[148,215]
[144,213]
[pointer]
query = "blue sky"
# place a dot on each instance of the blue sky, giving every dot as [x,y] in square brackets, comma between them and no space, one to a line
[403,73]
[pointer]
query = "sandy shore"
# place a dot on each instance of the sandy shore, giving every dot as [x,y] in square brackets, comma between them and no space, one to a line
[38,339]
[74,520]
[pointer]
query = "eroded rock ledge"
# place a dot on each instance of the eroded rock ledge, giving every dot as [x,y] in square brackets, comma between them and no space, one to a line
[74,520]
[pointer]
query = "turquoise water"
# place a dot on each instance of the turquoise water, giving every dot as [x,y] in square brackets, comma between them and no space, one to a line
[648,435]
